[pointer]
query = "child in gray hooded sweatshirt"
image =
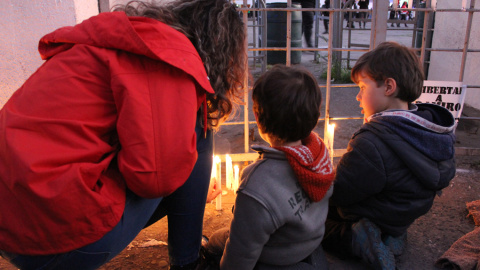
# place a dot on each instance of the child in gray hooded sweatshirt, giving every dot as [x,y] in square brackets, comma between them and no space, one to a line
[282,202]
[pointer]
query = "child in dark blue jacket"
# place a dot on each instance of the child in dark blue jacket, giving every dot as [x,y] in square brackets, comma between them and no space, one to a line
[395,163]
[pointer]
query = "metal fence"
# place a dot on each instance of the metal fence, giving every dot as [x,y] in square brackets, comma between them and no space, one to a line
[254,16]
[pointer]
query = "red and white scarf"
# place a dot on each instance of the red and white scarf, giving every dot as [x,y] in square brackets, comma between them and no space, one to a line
[312,166]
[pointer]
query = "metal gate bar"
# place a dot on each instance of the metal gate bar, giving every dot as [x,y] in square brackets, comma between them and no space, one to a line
[376,36]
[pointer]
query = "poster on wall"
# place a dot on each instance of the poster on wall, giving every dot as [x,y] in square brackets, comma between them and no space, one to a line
[450,95]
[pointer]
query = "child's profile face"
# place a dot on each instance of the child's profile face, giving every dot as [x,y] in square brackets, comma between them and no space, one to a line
[372,98]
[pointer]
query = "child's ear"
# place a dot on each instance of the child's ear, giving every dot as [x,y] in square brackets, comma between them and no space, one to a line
[390,86]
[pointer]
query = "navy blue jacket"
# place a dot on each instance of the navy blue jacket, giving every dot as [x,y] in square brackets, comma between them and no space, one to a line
[395,165]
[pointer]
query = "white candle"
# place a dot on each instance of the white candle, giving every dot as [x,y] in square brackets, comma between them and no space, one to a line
[218,166]
[235,181]
[228,172]
[464,4]
[330,136]
[214,169]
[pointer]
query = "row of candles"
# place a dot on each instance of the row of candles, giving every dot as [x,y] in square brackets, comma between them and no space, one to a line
[232,172]
[231,176]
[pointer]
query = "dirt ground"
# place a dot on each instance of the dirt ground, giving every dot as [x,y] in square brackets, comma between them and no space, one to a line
[428,238]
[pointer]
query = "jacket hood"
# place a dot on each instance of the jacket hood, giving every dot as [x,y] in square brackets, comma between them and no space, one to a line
[428,127]
[423,138]
[310,163]
[138,35]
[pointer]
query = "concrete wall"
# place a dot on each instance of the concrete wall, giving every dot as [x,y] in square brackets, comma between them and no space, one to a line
[450,33]
[118,2]
[22,24]
[85,9]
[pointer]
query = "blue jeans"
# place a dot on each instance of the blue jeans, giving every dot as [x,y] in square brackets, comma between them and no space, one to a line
[184,208]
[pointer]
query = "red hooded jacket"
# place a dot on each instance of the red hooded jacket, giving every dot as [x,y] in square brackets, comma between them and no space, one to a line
[115,104]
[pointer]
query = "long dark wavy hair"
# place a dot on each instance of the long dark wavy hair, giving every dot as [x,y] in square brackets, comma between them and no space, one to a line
[217,32]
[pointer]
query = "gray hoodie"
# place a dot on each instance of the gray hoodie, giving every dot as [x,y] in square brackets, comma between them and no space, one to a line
[274,220]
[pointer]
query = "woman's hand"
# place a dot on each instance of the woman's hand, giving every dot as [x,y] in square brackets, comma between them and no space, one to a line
[213,190]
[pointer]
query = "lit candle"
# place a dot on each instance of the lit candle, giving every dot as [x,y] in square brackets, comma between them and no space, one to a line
[218,165]
[329,137]
[228,171]
[235,181]
[214,169]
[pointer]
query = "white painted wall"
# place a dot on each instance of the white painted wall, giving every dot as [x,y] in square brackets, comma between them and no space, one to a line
[23,23]
[85,9]
[118,2]
[450,33]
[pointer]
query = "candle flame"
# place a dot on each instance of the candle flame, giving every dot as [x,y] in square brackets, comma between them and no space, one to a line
[228,172]
[329,139]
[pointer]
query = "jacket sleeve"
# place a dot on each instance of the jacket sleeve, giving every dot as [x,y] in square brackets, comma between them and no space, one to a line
[156,128]
[360,173]
[250,229]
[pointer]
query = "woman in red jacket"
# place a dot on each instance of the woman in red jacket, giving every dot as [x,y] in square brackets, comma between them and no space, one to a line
[113,132]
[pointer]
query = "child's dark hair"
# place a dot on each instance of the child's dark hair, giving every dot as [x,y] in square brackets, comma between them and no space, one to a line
[286,101]
[392,60]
